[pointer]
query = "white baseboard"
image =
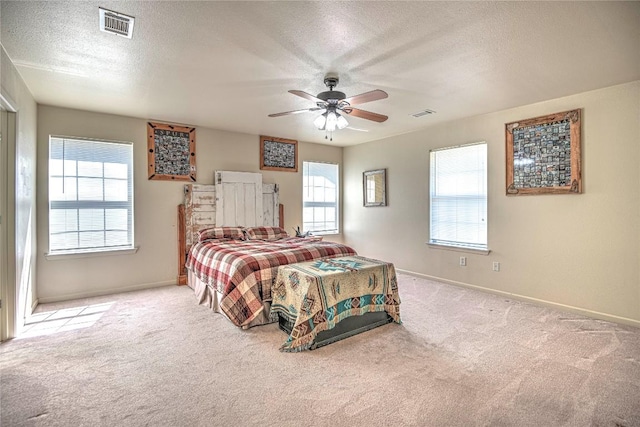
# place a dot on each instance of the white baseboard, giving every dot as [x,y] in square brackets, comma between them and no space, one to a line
[563,307]
[101,292]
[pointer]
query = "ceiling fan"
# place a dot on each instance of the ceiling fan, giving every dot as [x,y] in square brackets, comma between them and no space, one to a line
[332,103]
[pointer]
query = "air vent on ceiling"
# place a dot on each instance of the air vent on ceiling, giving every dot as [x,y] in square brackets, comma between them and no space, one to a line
[423,113]
[116,23]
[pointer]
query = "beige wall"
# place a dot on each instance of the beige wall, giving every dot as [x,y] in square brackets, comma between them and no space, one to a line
[155,202]
[21,178]
[580,251]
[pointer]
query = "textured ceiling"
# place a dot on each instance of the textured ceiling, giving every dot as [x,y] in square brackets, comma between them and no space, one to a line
[227,65]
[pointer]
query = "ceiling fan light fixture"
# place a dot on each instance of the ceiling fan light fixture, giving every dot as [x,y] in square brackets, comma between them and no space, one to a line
[330,121]
[342,122]
[320,121]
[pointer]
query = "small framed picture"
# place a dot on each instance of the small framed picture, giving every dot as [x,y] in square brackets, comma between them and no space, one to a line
[278,154]
[374,184]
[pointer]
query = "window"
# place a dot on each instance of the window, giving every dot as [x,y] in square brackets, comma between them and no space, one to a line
[320,198]
[458,197]
[90,195]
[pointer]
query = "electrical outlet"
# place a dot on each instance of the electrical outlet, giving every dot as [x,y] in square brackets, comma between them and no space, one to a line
[496,266]
[463,261]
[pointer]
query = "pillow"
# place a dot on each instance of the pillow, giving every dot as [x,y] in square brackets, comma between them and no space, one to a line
[265,233]
[235,233]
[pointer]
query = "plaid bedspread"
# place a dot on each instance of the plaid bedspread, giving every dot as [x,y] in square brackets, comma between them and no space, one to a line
[243,271]
[314,296]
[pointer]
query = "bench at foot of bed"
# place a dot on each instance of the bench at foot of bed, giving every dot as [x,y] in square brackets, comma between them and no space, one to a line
[323,301]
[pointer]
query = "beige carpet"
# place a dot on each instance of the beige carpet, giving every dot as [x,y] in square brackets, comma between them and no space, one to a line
[461,358]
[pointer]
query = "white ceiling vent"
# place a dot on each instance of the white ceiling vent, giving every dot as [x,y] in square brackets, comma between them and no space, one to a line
[423,113]
[116,23]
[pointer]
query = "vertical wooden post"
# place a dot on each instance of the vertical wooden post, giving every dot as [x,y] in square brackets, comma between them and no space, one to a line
[182,249]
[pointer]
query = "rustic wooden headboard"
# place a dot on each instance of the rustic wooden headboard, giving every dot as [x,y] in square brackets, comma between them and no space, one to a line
[199,211]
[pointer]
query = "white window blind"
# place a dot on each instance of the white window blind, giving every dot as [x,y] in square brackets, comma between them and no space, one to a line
[320,198]
[458,196]
[90,195]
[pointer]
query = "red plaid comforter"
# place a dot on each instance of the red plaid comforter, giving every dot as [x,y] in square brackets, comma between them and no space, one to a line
[243,271]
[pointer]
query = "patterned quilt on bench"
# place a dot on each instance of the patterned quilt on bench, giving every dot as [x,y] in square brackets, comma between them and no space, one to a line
[314,296]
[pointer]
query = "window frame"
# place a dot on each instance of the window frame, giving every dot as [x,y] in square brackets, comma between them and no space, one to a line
[478,248]
[79,205]
[336,205]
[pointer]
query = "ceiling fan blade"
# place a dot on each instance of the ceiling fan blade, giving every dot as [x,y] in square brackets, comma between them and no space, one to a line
[373,95]
[286,113]
[366,114]
[306,95]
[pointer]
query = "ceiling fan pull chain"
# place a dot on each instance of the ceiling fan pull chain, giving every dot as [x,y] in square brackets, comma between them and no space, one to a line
[328,135]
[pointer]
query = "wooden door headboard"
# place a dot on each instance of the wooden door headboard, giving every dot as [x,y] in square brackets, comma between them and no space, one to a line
[199,212]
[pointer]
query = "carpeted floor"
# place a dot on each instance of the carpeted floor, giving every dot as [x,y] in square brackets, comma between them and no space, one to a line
[461,358]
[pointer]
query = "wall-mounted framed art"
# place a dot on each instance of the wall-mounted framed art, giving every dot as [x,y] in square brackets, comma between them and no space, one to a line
[543,155]
[171,152]
[278,154]
[374,183]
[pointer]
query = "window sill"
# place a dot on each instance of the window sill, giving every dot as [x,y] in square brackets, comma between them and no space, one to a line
[325,233]
[459,249]
[89,254]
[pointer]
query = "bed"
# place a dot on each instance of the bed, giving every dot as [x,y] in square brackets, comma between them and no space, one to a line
[232,268]
[234,277]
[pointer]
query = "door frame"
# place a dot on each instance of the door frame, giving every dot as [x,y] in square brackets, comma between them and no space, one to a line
[7,221]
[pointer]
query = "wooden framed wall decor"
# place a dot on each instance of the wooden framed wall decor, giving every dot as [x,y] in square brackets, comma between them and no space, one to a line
[543,155]
[278,154]
[171,152]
